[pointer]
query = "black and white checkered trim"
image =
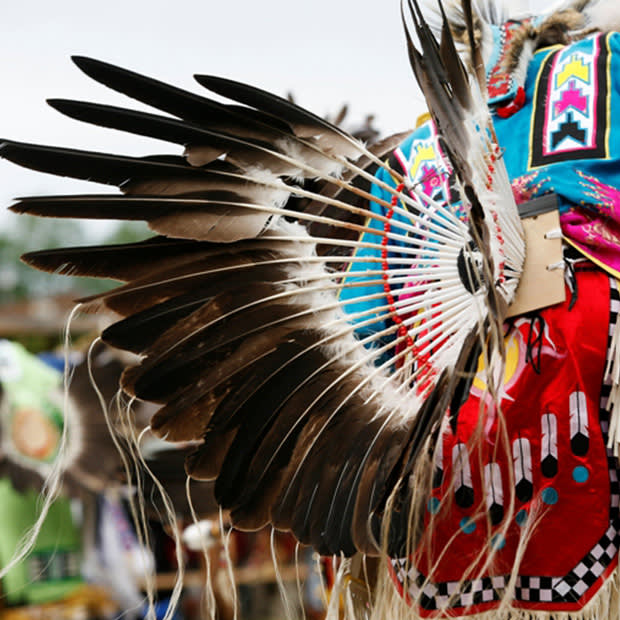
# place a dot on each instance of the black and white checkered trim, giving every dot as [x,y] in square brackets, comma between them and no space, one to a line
[444,595]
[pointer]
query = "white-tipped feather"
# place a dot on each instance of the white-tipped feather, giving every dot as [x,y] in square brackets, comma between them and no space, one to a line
[522,461]
[461,467]
[493,485]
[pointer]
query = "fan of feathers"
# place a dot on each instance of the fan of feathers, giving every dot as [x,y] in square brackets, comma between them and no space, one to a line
[310,333]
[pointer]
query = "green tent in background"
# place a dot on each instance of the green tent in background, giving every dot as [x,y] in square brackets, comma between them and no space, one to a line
[52,570]
[31,426]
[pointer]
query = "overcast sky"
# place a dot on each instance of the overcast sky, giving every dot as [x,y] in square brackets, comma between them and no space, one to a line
[326,52]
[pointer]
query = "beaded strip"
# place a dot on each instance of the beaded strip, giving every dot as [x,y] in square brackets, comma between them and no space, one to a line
[427,371]
[402,329]
[498,229]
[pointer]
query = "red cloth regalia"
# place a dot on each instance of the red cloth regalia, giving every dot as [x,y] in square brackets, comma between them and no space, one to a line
[510,490]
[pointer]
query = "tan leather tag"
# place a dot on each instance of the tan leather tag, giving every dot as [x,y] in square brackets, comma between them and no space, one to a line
[540,286]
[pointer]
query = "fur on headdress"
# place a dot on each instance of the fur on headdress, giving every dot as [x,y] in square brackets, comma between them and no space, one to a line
[564,22]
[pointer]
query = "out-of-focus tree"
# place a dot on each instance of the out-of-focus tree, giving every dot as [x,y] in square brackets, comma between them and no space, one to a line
[19,281]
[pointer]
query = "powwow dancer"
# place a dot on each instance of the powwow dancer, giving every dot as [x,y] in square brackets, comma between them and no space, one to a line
[498,516]
[401,409]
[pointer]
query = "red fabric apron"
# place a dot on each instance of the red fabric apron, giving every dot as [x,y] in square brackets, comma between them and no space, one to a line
[548,473]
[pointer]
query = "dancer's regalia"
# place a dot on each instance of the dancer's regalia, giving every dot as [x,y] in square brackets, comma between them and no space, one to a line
[555,475]
[368,342]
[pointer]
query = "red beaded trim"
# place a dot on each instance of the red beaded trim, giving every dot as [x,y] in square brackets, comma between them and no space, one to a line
[402,329]
[428,372]
[500,238]
[493,157]
[498,229]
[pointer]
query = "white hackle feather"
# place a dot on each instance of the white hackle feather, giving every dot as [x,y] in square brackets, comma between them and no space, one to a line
[522,460]
[493,484]
[549,439]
